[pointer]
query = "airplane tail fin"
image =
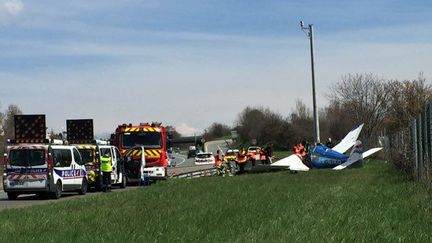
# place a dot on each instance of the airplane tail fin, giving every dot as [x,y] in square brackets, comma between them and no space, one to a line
[349,140]
[356,157]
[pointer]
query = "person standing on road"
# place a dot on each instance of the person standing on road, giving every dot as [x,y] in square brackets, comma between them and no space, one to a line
[106,168]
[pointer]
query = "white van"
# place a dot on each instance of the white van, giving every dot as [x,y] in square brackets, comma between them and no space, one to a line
[118,175]
[43,169]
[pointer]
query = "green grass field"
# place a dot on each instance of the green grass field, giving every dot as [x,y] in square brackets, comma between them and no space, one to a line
[375,203]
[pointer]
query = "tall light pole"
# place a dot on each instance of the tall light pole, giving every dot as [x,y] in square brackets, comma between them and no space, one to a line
[309,33]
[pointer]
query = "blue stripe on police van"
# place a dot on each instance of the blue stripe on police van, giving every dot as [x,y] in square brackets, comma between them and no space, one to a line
[70,174]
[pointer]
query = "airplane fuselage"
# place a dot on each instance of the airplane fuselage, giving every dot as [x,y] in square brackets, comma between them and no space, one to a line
[324,157]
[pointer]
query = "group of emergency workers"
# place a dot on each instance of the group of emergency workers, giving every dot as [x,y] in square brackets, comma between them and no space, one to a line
[302,150]
[228,164]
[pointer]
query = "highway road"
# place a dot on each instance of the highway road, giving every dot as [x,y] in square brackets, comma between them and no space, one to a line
[184,165]
[181,159]
[213,146]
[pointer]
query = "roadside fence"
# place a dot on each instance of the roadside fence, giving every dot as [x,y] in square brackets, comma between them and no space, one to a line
[410,149]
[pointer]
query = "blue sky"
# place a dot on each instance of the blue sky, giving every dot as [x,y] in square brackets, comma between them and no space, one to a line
[190,63]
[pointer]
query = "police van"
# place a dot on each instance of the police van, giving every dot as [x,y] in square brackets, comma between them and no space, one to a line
[80,133]
[35,165]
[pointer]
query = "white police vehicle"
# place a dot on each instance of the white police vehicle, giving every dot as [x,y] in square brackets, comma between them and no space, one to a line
[43,169]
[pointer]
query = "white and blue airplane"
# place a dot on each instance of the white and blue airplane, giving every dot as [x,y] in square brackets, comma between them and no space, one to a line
[324,157]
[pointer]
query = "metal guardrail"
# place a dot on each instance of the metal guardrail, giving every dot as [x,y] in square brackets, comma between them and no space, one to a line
[195,173]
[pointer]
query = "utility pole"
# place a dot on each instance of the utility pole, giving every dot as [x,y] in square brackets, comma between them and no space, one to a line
[309,33]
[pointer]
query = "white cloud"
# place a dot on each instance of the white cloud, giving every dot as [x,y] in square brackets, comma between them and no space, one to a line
[186,130]
[10,9]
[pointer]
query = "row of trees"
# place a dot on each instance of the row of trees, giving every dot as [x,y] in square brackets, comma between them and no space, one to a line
[384,106]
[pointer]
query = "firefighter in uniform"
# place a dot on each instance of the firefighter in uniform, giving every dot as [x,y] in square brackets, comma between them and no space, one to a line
[218,158]
[106,168]
[301,150]
[241,160]
[218,163]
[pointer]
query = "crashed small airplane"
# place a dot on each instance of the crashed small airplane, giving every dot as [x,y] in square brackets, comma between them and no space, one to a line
[324,157]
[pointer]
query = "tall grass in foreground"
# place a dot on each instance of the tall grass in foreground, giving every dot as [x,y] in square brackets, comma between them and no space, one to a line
[371,204]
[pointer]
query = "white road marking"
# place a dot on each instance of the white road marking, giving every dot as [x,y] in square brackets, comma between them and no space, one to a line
[183,158]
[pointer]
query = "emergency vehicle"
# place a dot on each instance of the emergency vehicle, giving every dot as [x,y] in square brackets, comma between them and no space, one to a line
[36,165]
[153,138]
[254,153]
[231,154]
[80,133]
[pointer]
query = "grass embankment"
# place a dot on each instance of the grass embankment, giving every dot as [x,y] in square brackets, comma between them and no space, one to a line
[371,204]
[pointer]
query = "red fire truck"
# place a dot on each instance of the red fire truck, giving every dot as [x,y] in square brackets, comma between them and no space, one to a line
[154,139]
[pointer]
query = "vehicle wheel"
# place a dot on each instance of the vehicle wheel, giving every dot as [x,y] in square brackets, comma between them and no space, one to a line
[84,187]
[58,190]
[123,183]
[12,195]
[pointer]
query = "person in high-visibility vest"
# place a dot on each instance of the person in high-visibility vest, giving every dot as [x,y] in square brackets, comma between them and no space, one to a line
[106,168]
[241,160]
[218,158]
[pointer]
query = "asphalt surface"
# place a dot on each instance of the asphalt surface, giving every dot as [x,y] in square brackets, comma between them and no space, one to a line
[213,146]
[183,165]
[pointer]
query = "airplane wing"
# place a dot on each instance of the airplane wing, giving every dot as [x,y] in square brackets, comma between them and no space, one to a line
[348,141]
[293,162]
[356,157]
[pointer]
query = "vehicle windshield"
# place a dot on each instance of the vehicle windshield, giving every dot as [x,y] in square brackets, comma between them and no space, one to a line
[87,155]
[146,139]
[203,156]
[230,153]
[27,157]
[252,148]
